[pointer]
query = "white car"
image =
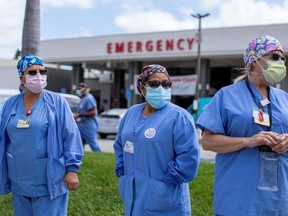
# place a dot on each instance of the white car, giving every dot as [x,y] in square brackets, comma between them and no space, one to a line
[6,93]
[72,100]
[109,121]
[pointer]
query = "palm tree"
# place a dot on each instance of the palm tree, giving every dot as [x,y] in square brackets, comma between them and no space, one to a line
[31,28]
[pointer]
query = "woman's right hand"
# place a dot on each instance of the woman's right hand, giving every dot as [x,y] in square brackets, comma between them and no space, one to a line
[267,138]
[224,144]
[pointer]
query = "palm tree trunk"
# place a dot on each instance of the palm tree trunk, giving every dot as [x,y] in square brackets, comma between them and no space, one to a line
[31,28]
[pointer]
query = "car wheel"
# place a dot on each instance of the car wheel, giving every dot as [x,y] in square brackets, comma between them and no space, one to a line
[103,136]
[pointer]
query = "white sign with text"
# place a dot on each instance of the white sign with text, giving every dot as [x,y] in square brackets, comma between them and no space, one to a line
[181,85]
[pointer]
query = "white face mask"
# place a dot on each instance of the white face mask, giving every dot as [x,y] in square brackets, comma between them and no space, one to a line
[36,83]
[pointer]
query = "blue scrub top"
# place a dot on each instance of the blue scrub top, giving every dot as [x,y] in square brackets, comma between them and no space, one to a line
[87,102]
[237,173]
[64,145]
[27,151]
[0,112]
[158,156]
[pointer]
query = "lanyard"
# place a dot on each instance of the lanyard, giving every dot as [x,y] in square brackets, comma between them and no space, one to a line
[259,103]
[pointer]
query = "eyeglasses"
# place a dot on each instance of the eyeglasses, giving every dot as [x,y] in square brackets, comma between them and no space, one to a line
[34,72]
[276,57]
[155,84]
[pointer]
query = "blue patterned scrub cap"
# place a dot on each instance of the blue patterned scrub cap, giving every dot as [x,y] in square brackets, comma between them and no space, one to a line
[148,71]
[258,47]
[26,61]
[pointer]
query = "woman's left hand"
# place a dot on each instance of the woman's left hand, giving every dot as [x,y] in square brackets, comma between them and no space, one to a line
[282,146]
[76,115]
[71,181]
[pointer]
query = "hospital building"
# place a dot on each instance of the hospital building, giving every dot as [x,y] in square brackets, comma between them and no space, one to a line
[110,64]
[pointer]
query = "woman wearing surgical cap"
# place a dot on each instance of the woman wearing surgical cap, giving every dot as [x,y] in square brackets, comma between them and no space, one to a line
[41,148]
[157,150]
[246,124]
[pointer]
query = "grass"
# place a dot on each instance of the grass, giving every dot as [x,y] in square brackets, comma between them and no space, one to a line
[98,193]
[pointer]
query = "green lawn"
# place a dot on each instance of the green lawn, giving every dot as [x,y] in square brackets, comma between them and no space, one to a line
[98,193]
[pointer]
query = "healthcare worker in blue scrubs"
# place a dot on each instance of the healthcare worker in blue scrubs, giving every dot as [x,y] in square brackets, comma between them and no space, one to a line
[87,117]
[157,150]
[40,145]
[0,112]
[246,124]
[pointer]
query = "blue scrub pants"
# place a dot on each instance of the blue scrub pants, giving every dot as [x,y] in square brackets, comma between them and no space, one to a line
[90,136]
[40,206]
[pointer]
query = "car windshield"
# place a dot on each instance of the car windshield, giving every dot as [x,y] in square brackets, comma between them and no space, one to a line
[73,104]
[72,100]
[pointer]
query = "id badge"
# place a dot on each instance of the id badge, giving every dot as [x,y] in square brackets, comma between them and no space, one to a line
[23,123]
[261,118]
[129,147]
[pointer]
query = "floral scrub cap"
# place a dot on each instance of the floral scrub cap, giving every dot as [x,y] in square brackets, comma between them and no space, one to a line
[26,61]
[258,47]
[148,71]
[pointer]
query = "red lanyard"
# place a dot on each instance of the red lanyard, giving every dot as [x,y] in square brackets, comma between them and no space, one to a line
[261,118]
[260,105]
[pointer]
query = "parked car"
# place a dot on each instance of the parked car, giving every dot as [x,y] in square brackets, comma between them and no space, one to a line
[72,100]
[6,93]
[109,121]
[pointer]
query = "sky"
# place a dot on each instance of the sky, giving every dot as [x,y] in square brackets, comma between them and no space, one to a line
[62,19]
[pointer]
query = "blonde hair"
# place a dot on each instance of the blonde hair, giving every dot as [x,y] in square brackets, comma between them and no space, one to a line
[243,73]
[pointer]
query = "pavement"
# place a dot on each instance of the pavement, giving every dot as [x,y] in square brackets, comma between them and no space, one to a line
[107,146]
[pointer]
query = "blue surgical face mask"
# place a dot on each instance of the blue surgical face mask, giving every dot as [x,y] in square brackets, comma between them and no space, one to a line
[79,93]
[158,97]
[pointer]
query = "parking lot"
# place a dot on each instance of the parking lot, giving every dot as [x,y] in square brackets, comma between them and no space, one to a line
[107,146]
